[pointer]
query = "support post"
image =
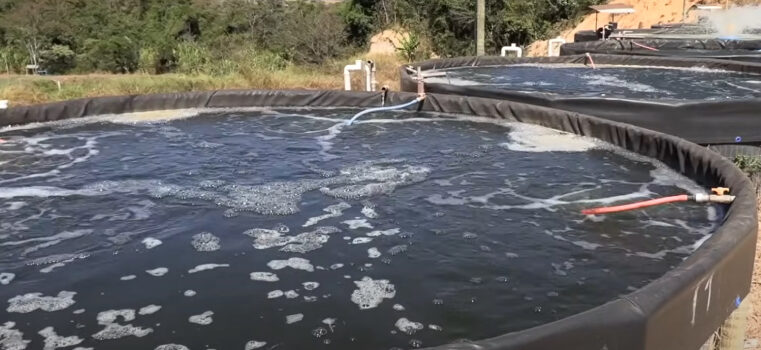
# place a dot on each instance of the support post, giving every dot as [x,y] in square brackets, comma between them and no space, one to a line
[732,333]
[480,27]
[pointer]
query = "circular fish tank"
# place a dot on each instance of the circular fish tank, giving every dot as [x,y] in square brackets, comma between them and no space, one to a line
[741,47]
[260,219]
[709,102]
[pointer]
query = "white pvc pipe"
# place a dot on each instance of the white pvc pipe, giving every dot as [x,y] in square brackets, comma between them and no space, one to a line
[550,46]
[512,48]
[368,68]
[3,104]
[358,64]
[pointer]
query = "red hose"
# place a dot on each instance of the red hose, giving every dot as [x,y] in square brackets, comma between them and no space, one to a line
[638,205]
[645,47]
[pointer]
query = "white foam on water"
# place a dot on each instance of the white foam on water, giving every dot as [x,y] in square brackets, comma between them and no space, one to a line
[373,253]
[149,310]
[275,294]
[377,233]
[151,243]
[311,285]
[36,301]
[114,330]
[301,243]
[361,240]
[6,278]
[205,242]
[276,198]
[11,338]
[667,177]
[533,138]
[357,223]
[52,267]
[78,311]
[370,293]
[291,294]
[254,344]
[127,278]
[336,266]
[294,263]
[110,316]
[15,205]
[171,347]
[609,80]
[369,212]
[264,277]
[54,341]
[203,319]
[325,141]
[39,192]
[435,327]
[82,348]
[290,319]
[398,307]
[333,211]
[206,267]
[407,326]
[158,272]
[397,249]
[49,241]
[189,293]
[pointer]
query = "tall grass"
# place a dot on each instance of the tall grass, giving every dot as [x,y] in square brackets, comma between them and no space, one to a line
[259,72]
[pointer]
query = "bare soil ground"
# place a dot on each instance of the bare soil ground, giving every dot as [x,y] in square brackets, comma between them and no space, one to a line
[753,332]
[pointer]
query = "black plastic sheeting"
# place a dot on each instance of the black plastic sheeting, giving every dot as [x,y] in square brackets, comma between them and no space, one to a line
[734,122]
[738,50]
[678,311]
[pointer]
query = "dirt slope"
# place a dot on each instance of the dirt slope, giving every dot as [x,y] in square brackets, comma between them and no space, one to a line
[648,12]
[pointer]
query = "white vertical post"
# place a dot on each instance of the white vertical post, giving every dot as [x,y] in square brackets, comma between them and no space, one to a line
[480,27]
[551,46]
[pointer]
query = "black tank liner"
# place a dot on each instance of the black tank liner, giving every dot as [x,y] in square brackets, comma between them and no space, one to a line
[718,122]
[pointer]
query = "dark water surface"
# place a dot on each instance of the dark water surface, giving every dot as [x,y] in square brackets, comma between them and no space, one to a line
[301,234]
[658,83]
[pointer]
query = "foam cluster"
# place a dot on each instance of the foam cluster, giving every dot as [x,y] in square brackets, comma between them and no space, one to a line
[203,319]
[205,242]
[114,330]
[54,341]
[264,277]
[206,267]
[370,293]
[294,263]
[36,301]
[407,326]
[11,338]
[301,243]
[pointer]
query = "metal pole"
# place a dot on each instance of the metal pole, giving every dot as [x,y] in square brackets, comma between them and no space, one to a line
[480,27]
[684,11]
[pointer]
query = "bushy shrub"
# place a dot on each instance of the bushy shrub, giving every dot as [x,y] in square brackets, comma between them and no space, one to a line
[115,55]
[58,59]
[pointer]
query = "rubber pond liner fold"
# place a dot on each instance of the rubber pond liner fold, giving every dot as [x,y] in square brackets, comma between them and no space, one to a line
[678,311]
[716,122]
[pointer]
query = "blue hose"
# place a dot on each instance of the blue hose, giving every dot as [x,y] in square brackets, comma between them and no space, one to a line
[383,109]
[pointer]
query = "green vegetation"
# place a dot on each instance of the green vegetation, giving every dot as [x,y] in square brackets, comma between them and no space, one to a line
[751,165]
[224,37]
[182,45]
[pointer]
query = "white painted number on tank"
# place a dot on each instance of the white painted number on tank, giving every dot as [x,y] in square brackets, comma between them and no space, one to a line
[706,283]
